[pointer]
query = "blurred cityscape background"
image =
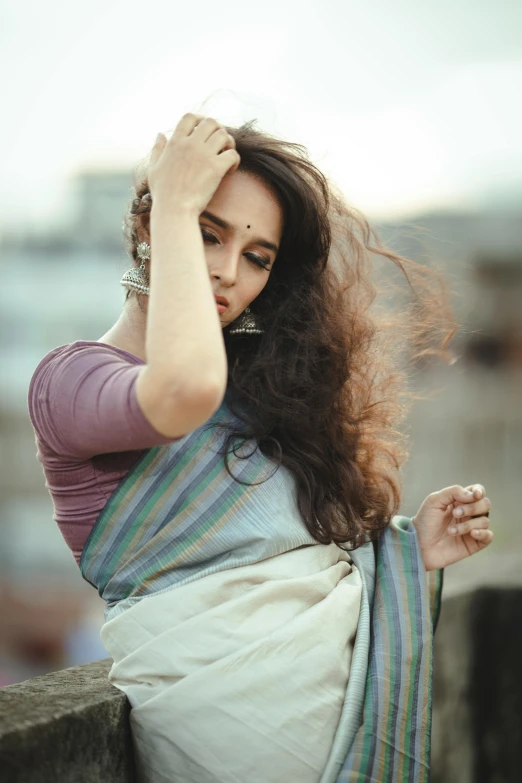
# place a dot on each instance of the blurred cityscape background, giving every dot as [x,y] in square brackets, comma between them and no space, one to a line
[422,130]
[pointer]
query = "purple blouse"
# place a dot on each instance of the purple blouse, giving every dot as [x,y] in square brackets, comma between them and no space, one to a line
[89,430]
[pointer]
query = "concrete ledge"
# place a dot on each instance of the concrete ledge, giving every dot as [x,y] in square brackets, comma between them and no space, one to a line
[477,688]
[67,726]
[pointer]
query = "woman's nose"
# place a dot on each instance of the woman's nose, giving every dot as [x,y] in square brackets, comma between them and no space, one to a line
[226,267]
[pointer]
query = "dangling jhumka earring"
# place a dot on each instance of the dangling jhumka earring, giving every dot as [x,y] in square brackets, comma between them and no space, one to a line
[137,278]
[246,324]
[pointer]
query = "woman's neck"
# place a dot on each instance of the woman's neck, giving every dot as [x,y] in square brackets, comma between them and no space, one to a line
[128,333]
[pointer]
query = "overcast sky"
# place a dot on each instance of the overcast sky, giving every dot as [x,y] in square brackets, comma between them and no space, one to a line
[406,105]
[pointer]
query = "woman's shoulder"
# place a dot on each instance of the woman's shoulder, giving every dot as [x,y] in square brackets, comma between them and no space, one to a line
[64,366]
[88,348]
[82,401]
[80,353]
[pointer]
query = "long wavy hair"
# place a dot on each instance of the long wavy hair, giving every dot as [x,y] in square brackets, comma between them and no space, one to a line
[324,388]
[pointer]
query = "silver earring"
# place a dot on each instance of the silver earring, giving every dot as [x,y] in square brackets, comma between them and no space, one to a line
[137,278]
[246,324]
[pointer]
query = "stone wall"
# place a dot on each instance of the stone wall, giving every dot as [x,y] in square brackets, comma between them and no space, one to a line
[70,726]
[477,699]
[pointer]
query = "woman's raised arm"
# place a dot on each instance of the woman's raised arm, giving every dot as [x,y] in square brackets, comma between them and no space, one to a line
[185,377]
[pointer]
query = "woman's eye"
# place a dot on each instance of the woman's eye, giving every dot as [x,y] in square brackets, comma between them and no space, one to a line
[208,237]
[258,260]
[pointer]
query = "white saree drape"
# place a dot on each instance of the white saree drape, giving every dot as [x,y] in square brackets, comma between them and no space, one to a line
[239,676]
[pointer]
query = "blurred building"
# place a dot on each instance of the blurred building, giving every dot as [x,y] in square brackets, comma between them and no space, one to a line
[102,198]
[61,286]
[64,286]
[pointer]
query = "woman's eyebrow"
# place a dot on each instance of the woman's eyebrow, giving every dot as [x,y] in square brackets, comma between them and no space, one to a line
[228,227]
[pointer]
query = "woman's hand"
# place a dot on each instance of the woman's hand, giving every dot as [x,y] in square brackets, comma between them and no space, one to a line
[437,516]
[186,170]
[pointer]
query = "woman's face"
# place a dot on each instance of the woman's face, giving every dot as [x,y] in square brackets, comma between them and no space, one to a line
[238,262]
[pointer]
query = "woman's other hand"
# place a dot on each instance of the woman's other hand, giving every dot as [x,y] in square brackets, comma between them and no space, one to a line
[439,515]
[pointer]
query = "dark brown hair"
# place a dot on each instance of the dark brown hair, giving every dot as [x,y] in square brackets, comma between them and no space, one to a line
[324,388]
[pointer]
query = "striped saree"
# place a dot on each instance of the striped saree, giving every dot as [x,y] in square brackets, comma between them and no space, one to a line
[178,542]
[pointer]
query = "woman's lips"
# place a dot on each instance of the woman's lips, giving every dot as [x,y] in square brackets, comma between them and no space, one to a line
[221,302]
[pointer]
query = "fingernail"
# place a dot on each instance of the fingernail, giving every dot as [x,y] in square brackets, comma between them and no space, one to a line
[468,493]
[453,530]
[459,511]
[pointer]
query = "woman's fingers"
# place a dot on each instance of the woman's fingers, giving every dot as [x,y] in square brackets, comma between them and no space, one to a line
[477,523]
[186,125]
[482,536]
[475,509]
[478,490]
[157,148]
[205,128]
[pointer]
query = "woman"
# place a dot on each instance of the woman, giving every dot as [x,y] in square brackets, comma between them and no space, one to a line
[227,477]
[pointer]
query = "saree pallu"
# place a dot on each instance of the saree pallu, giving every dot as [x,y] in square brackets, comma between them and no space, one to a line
[249,651]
